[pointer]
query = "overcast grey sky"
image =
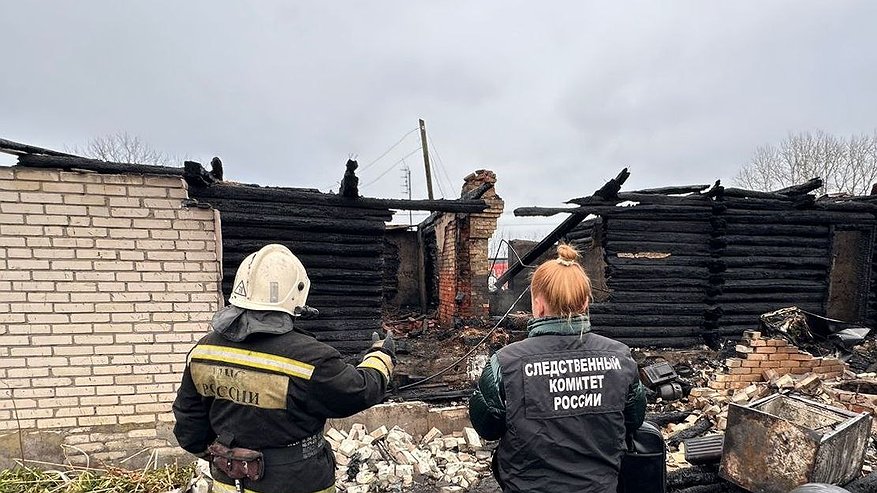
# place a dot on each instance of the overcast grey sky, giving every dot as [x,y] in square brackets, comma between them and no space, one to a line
[555,97]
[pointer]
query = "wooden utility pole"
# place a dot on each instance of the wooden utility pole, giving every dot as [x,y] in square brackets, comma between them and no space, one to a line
[426,158]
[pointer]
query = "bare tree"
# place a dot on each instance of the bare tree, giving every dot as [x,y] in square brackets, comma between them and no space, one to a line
[121,147]
[847,165]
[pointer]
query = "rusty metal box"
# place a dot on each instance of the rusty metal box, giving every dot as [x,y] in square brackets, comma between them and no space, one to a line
[782,441]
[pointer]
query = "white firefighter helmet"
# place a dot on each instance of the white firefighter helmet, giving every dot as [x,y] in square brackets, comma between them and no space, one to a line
[271,279]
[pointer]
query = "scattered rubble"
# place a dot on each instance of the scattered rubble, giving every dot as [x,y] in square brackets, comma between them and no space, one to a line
[393,460]
[772,366]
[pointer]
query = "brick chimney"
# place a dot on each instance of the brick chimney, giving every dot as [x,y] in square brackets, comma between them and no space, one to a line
[464,260]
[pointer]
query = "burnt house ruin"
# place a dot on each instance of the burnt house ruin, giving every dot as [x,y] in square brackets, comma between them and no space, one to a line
[680,266]
[342,239]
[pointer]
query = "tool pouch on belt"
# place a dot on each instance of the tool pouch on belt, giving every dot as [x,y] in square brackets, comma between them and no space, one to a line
[238,462]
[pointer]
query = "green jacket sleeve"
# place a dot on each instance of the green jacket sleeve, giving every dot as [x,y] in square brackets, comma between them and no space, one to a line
[487,404]
[635,407]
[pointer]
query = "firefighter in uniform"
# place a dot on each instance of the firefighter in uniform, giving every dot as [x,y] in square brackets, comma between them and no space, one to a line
[257,391]
[561,401]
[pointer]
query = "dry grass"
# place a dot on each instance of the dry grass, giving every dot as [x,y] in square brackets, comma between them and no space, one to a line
[72,479]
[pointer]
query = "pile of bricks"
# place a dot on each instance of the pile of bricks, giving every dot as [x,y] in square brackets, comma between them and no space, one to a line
[756,355]
[392,460]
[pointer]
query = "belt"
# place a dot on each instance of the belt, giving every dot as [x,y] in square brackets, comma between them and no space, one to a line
[303,449]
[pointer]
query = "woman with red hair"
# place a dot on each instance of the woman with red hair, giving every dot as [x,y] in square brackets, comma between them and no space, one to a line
[561,401]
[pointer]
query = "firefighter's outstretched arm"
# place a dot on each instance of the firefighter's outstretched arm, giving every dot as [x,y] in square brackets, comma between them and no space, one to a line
[340,390]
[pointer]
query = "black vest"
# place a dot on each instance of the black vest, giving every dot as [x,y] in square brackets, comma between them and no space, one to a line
[565,398]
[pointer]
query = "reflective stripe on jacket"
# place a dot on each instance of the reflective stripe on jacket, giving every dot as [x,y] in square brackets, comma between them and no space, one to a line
[267,392]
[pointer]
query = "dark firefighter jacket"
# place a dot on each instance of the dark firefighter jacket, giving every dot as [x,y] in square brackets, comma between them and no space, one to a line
[561,402]
[258,383]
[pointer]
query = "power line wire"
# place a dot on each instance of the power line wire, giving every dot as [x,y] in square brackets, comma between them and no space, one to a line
[392,166]
[441,164]
[367,166]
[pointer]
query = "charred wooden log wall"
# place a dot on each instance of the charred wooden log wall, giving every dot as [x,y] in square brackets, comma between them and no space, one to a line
[775,256]
[649,248]
[695,268]
[340,244]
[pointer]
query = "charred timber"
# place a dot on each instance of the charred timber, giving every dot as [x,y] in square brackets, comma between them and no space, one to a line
[638,283]
[11,147]
[305,223]
[196,176]
[326,275]
[613,186]
[655,309]
[72,162]
[243,231]
[764,307]
[647,205]
[789,298]
[770,285]
[775,274]
[775,262]
[753,194]
[318,299]
[320,262]
[680,248]
[635,317]
[759,204]
[232,245]
[661,342]
[804,188]
[332,336]
[301,210]
[713,265]
[848,206]
[651,297]
[782,241]
[699,201]
[615,234]
[806,218]
[655,330]
[674,190]
[777,230]
[760,251]
[323,326]
[650,271]
[661,226]
[309,196]
[701,426]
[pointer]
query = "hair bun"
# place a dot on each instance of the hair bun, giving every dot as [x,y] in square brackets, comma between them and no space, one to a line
[567,253]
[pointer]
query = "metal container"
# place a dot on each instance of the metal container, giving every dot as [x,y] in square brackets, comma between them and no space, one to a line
[783,441]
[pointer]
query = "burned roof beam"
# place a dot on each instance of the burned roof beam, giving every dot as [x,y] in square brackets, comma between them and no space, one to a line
[607,192]
[470,195]
[807,187]
[440,205]
[271,194]
[75,162]
[17,148]
[674,190]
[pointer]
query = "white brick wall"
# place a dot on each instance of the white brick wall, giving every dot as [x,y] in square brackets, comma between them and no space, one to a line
[107,282]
